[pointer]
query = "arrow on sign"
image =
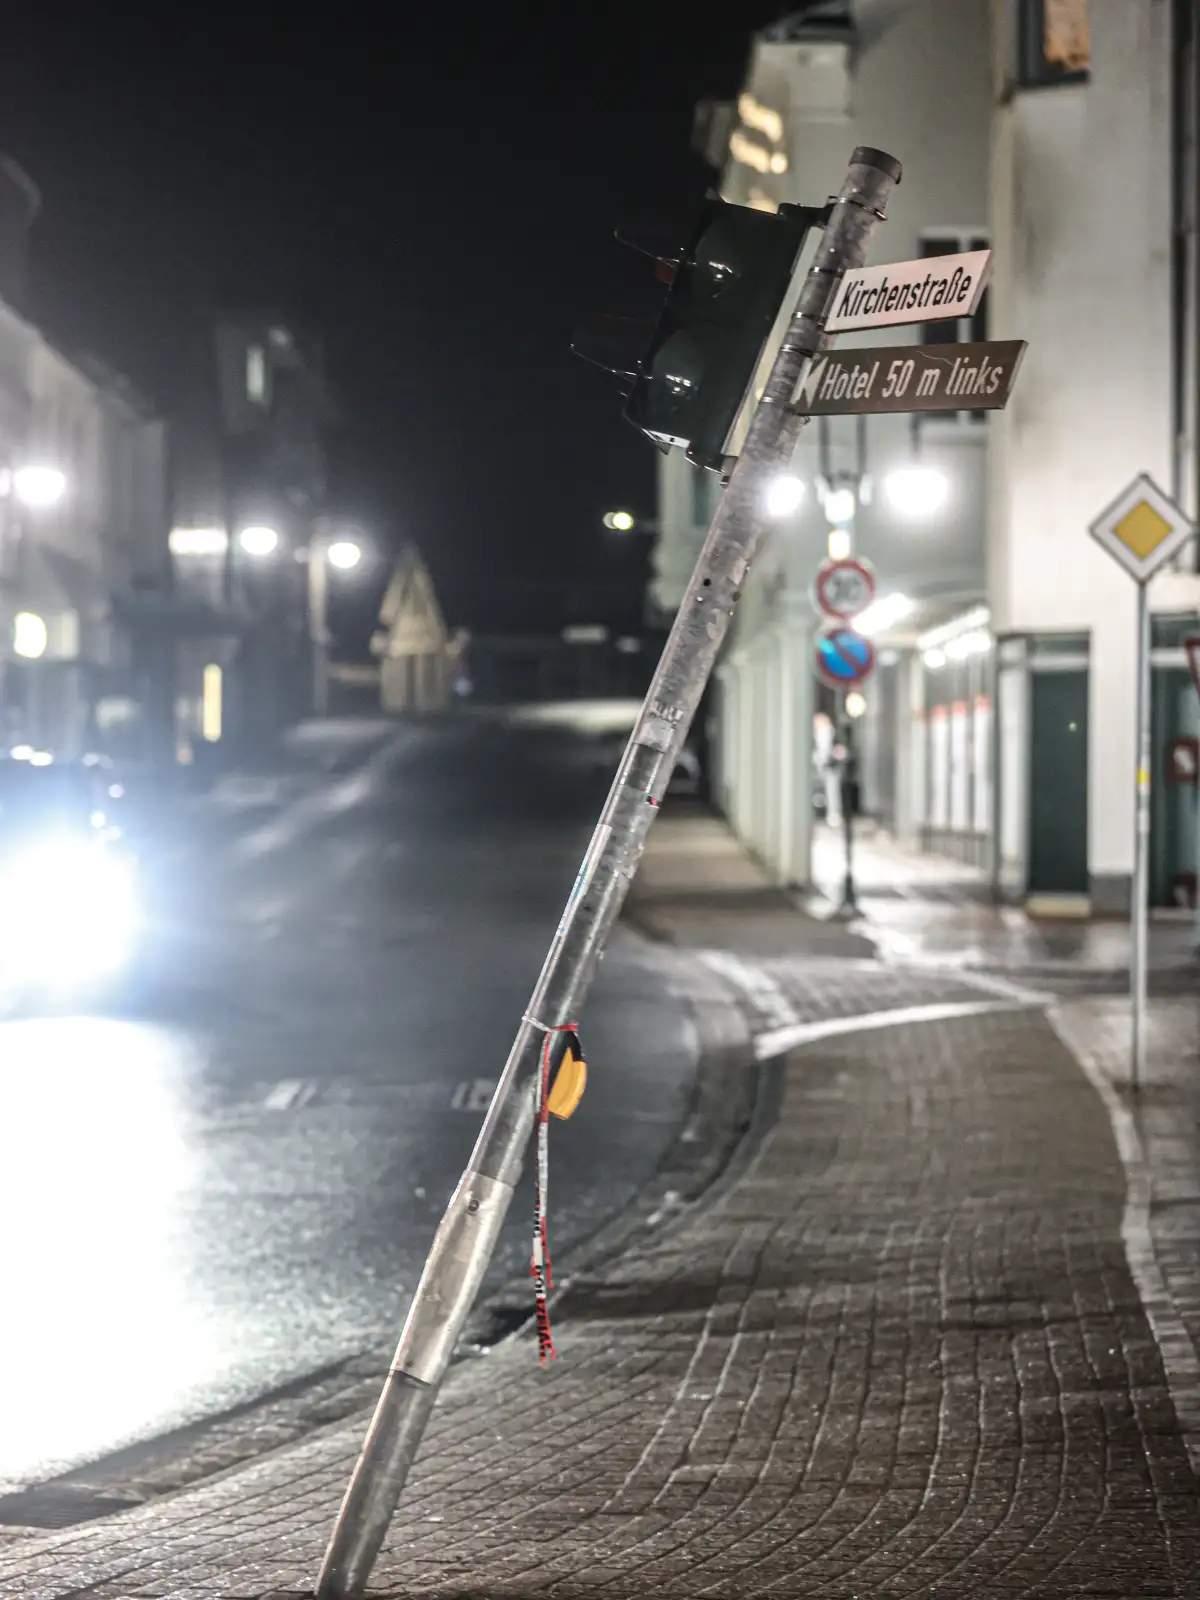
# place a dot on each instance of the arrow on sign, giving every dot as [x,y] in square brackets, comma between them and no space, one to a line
[807,389]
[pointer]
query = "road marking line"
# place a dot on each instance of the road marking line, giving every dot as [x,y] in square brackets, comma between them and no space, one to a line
[474,1095]
[758,986]
[291,1094]
[779,1041]
[305,814]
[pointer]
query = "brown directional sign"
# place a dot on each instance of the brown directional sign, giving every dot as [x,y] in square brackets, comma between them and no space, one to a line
[911,377]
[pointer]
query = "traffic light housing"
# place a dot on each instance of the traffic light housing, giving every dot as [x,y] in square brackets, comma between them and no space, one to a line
[727,280]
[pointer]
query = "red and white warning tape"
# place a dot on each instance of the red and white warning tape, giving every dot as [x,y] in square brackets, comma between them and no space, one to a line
[540,1267]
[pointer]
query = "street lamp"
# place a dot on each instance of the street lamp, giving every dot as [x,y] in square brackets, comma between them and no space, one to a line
[344,554]
[39,486]
[784,495]
[258,540]
[916,491]
[621,521]
[840,505]
[324,552]
[29,635]
[839,543]
[883,614]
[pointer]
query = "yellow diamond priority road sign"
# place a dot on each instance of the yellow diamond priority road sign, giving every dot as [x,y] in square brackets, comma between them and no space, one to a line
[1142,528]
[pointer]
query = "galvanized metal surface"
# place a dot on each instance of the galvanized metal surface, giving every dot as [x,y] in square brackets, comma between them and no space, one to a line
[608,868]
[1141,847]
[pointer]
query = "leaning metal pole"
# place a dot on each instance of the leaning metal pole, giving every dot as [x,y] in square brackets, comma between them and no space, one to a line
[467,1234]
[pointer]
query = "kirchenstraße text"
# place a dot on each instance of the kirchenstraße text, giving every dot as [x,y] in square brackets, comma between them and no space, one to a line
[952,292]
[932,289]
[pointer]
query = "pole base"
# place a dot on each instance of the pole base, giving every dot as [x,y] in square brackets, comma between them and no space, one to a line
[849,906]
[391,1445]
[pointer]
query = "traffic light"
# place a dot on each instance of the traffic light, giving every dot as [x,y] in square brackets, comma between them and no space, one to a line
[687,374]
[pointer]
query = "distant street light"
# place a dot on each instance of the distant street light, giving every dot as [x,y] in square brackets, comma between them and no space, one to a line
[344,554]
[784,495]
[917,491]
[258,541]
[840,505]
[976,643]
[197,541]
[883,614]
[39,487]
[29,635]
[839,544]
[855,704]
[622,521]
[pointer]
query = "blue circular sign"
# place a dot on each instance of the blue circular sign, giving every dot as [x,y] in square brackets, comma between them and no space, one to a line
[843,658]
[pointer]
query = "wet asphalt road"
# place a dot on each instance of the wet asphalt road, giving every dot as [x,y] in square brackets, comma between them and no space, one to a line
[228,1176]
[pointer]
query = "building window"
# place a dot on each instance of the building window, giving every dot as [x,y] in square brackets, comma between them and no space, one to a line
[256,374]
[1053,42]
[955,330]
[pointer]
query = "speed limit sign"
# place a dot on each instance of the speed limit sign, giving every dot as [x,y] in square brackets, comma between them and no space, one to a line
[844,588]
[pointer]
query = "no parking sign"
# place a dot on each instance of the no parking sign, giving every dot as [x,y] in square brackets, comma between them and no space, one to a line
[843,658]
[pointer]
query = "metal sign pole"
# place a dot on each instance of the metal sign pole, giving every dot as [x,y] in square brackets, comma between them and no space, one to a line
[318,620]
[467,1234]
[1142,529]
[1141,848]
[849,785]
[1192,646]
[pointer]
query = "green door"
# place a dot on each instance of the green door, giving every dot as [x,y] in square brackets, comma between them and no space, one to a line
[1058,782]
[1176,715]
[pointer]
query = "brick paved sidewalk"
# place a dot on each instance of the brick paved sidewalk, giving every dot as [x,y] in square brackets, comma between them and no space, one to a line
[1158,1131]
[900,1351]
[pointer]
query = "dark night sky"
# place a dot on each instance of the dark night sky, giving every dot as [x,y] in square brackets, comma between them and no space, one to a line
[439,195]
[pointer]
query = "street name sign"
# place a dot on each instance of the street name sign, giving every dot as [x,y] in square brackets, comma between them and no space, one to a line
[919,377]
[933,290]
[844,588]
[843,658]
[1142,528]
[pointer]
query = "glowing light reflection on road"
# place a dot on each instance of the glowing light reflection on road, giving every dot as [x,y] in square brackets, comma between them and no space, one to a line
[94,1168]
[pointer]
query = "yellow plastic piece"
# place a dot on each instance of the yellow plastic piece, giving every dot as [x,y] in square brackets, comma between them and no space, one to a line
[567,1089]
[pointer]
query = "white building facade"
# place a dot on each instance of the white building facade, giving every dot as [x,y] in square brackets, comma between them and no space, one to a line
[1092,204]
[83,525]
[999,723]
